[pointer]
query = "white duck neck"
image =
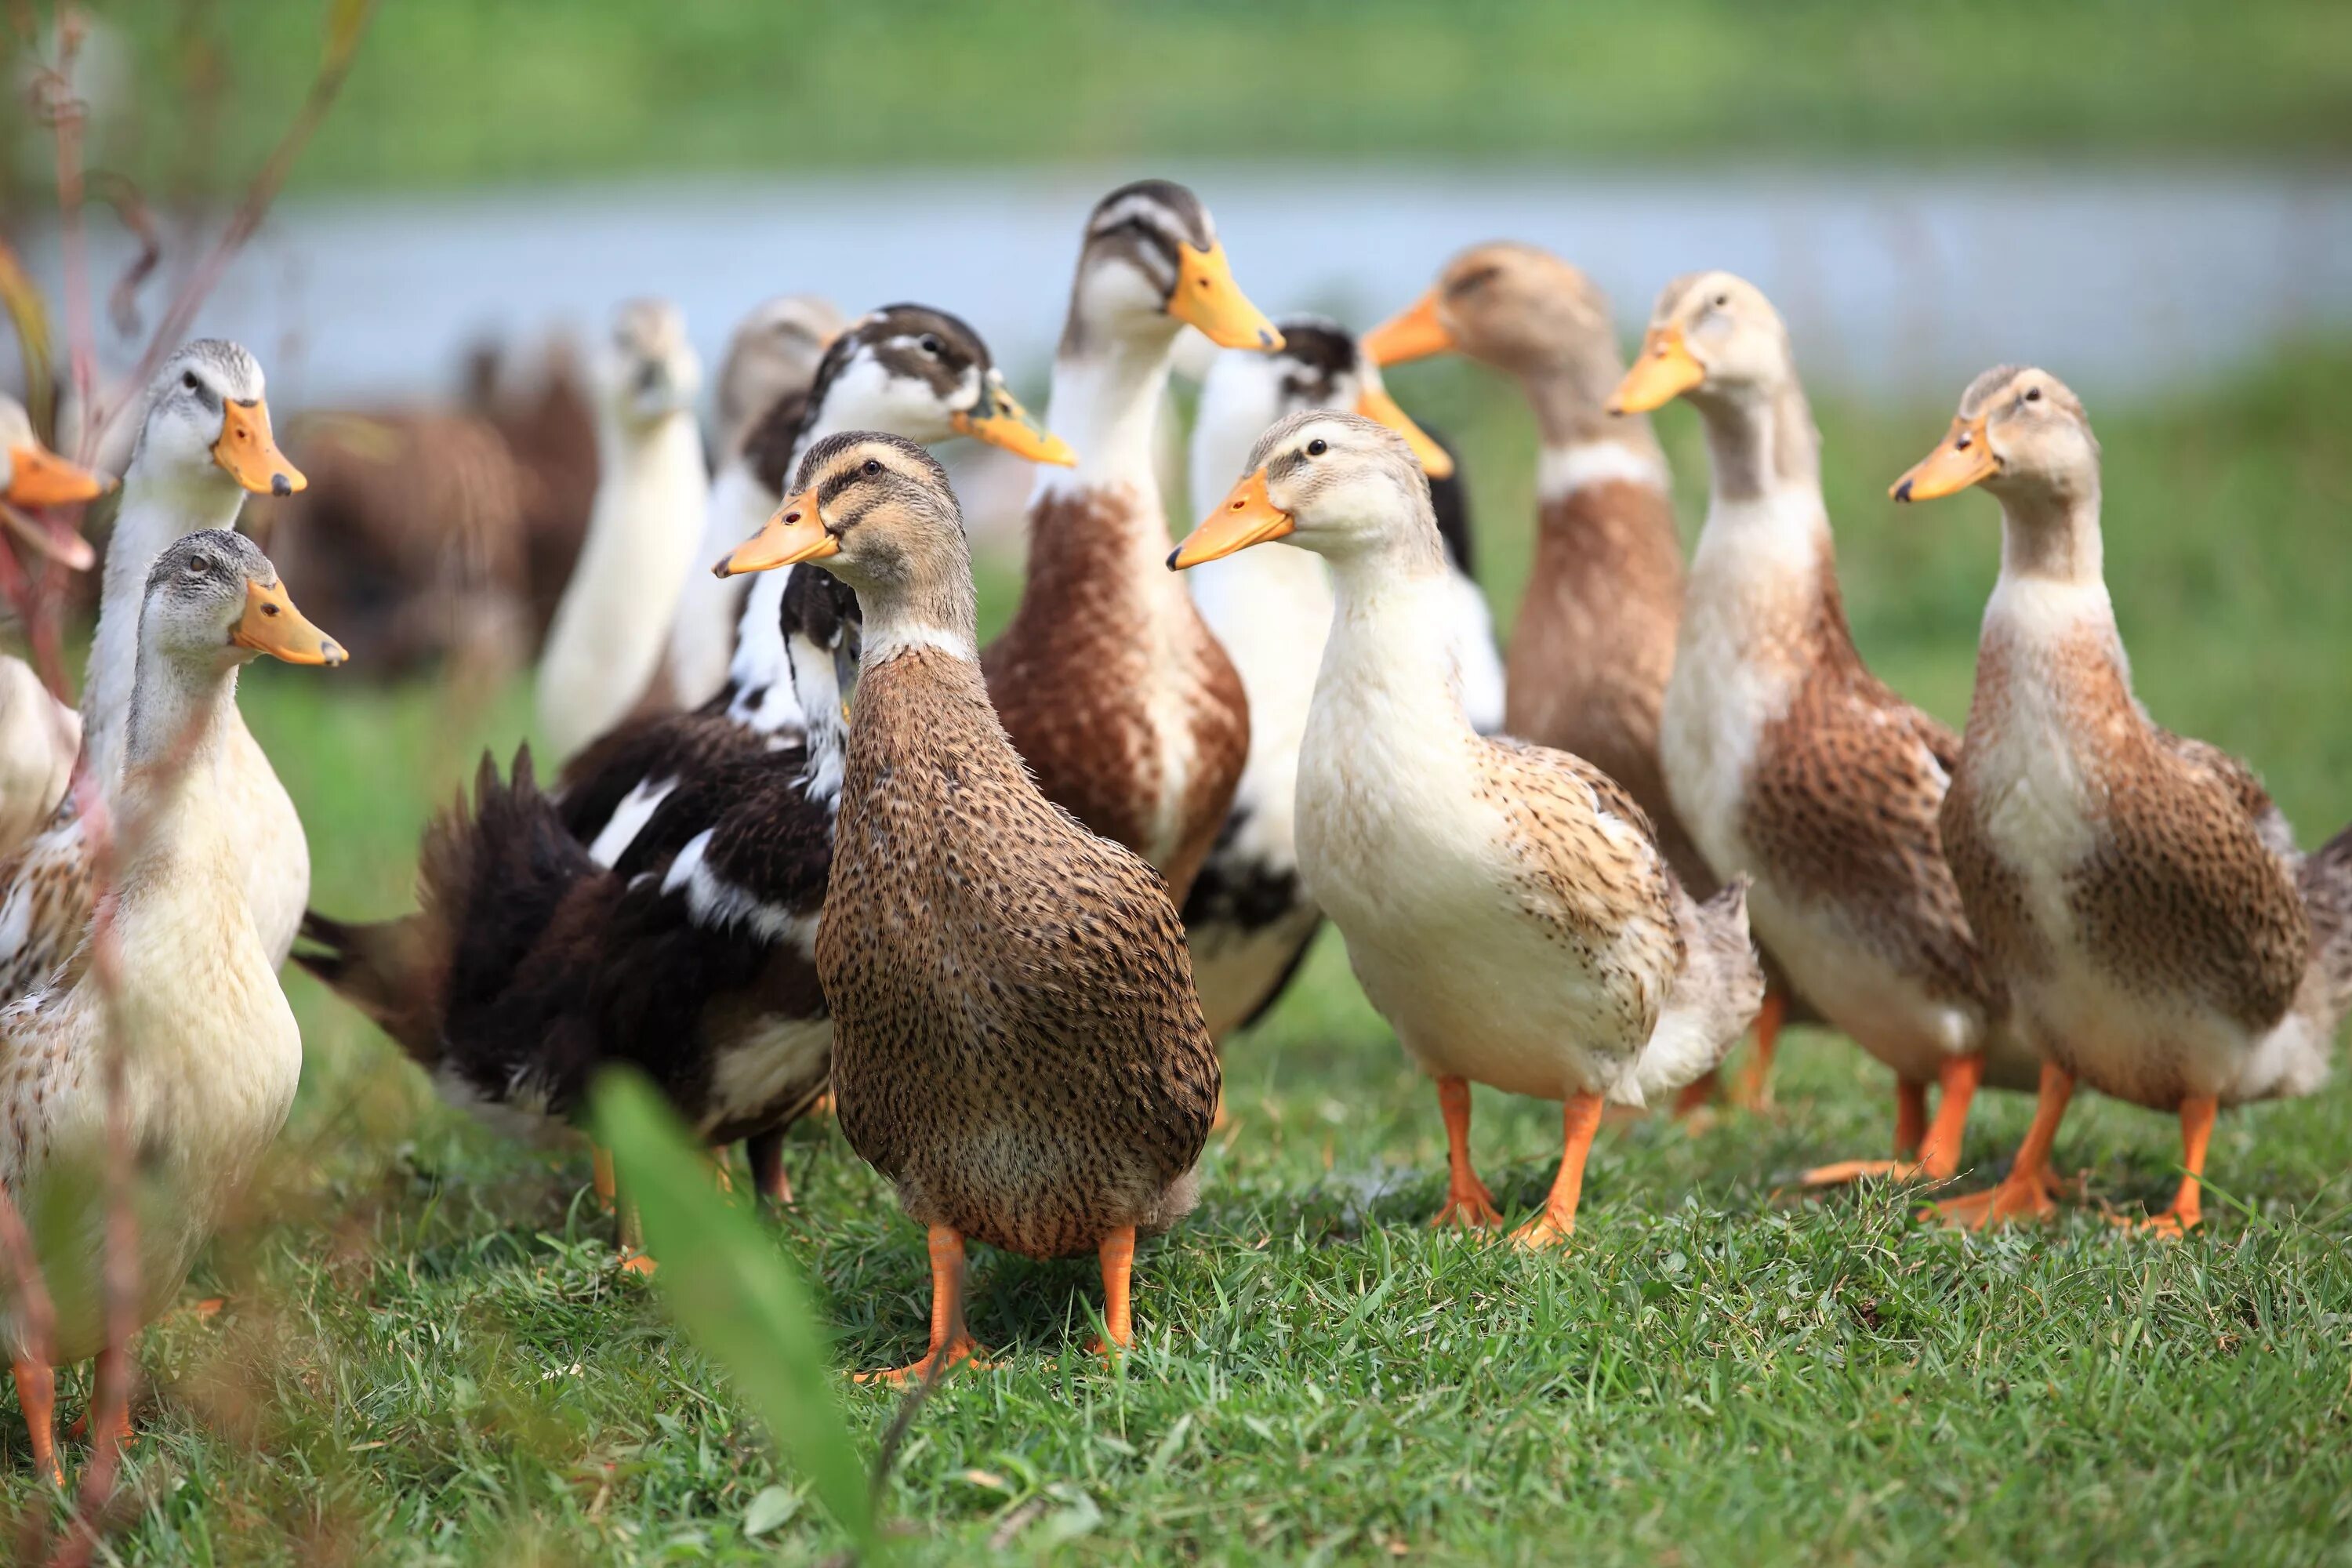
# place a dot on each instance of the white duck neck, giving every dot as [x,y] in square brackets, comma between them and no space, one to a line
[176,733]
[761,672]
[2052,536]
[1105,403]
[1390,631]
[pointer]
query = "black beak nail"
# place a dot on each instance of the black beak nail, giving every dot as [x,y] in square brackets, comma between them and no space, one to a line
[1902,491]
[279,485]
[1171,558]
[1264,338]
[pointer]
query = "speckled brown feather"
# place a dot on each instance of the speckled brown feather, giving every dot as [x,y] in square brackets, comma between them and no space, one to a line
[1083,685]
[1017,1045]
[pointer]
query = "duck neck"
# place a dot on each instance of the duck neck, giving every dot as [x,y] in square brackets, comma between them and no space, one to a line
[1390,628]
[1570,397]
[1763,580]
[1105,403]
[933,608]
[175,732]
[759,673]
[1760,441]
[155,510]
[2052,536]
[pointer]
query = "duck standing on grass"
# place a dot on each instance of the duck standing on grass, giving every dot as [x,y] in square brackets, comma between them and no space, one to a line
[1790,762]
[2162,939]
[1506,907]
[1017,1042]
[170,962]
[1106,679]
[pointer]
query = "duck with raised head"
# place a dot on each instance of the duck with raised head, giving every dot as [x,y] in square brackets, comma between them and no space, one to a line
[1108,679]
[204,443]
[1247,916]
[1506,907]
[1017,1042]
[2162,940]
[658,908]
[1790,762]
[612,626]
[209,1053]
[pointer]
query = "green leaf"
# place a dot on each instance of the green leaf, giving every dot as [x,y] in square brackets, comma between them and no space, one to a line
[772,1508]
[734,1293]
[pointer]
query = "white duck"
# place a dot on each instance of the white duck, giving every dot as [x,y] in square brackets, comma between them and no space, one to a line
[613,624]
[173,968]
[1246,919]
[205,442]
[1506,907]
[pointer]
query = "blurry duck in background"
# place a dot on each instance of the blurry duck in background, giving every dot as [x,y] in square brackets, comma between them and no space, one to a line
[1108,679]
[1790,762]
[1247,918]
[193,990]
[771,361]
[203,444]
[660,906]
[1506,907]
[614,623]
[2162,939]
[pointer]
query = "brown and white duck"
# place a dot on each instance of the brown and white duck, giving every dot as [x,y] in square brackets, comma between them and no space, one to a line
[1017,1042]
[1108,679]
[2161,939]
[1789,762]
[1506,907]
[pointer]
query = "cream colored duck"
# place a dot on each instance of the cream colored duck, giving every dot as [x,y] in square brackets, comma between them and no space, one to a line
[771,361]
[1506,907]
[2162,940]
[39,736]
[1247,920]
[205,442]
[209,1051]
[1789,762]
[613,624]
[1108,679]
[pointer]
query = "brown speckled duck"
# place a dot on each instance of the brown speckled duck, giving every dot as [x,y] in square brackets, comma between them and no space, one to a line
[1790,762]
[1108,679]
[2161,937]
[1016,1041]
[1506,907]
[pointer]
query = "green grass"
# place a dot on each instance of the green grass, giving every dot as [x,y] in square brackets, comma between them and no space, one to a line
[452,92]
[428,1357]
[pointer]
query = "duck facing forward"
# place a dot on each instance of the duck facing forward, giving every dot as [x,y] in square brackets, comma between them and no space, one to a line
[2162,940]
[1506,907]
[210,1054]
[1017,1042]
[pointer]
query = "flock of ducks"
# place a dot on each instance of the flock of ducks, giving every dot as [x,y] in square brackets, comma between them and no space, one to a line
[1000,905]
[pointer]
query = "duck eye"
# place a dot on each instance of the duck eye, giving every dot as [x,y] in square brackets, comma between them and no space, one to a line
[189,380]
[2033,394]
[1317,447]
[199,565]
[1722,301]
[931,345]
[870,467]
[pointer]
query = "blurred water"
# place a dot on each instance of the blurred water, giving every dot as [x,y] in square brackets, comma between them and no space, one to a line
[1892,281]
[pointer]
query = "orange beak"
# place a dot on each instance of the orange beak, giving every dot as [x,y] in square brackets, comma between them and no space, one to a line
[271,625]
[38,477]
[1962,458]
[249,454]
[1008,424]
[1375,404]
[1663,371]
[1416,333]
[796,532]
[1247,517]
[1206,297]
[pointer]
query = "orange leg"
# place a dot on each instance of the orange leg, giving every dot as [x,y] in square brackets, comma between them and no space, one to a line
[1695,1095]
[766,1150]
[36,1394]
[119,1431]
[1580,1121]
[633,1259]
[1468,1203]
[1939,1151]
[2187,1210]
[951,1340]
[1755,1091]
[1118,1252]
[600,1166]
[1223,1118]
[2025,1193]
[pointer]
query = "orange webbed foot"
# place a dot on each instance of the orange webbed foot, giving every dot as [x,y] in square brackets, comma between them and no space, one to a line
[1542,1234]
[1846,1171]
[2030,1198]
[954,1353]
[2172,1225]
[1469,1207]
[638,1263]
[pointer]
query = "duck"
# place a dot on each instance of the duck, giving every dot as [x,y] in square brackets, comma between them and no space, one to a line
[1506,907]
[658,904]
[203,444]
[39,736]
[771,361]
[613,624]
[171,964]
[1017,1046]
[1593,644]
[1108,679]
[1789,763]
[1246,917]
[2163,941]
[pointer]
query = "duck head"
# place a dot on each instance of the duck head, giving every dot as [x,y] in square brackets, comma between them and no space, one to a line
[1151,265]
[1338,484]
[207,413]
[1515,307]
[1713,337]
[33,476]
[213,597]
[1321,365]
[926,375]
[2021,434]
[647,370]
[772,353]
